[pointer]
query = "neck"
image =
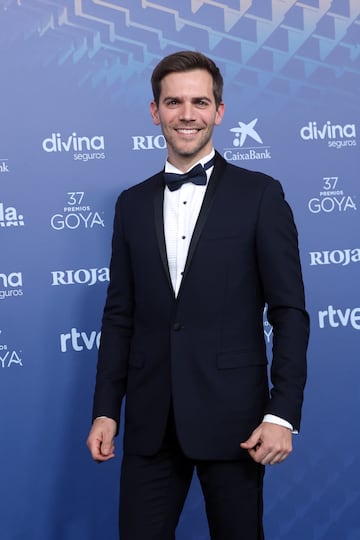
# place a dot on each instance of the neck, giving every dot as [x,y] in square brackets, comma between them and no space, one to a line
[185,165]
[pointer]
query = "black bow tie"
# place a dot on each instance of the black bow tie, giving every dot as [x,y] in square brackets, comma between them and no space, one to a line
[196,175]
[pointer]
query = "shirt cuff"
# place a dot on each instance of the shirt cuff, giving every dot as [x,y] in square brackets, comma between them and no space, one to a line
[273,419]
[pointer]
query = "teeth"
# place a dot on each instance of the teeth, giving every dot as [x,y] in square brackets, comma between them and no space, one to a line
[187,131]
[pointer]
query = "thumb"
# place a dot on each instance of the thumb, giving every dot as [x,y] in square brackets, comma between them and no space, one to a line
[107,443]
[252,441]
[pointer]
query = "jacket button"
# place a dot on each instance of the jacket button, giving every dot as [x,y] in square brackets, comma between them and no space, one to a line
[177,326]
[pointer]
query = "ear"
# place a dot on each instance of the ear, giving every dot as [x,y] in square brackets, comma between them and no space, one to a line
[219,113]
[154,113]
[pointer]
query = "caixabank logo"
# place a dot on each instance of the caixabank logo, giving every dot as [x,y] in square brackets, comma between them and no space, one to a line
[247,143]
[80,147]
[10,217]
[337,136]
[9,356]
[332,198]
[4,166]
[10,285]
[76,214]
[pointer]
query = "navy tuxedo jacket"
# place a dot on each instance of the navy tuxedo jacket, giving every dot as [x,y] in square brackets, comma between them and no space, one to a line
[205,348]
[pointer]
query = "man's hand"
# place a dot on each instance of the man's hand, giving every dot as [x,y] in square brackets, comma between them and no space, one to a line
[269,443]
[101,439]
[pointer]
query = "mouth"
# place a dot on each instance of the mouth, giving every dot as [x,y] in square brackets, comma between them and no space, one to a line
[187,131]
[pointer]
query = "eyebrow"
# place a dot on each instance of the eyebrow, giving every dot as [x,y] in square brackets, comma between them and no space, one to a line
[196,98]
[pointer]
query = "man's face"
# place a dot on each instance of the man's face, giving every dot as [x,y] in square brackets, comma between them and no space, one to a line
[187,114]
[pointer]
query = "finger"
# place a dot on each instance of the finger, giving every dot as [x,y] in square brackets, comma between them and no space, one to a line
[106,445]
[258,454]
[99,456]
[249,444]
[94,447]
[103,458]
[274,457]
[99,449]
[107,448]
[279,458]
[269,454]
[253,441]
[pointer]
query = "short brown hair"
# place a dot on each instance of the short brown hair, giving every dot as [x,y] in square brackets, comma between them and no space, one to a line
[186,61]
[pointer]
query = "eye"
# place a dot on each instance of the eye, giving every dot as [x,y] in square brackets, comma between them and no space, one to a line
[171,102]
[202,103]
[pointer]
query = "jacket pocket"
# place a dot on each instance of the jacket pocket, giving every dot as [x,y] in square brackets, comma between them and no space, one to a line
[240,359]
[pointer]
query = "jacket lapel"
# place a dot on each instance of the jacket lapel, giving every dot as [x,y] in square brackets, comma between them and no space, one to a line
[159,225]
[214,180]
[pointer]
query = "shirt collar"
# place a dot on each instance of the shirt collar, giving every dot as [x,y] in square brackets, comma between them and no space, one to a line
[170,168]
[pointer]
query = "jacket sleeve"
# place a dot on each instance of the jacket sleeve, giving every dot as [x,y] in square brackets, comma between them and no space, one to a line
[116,330]
[280,270]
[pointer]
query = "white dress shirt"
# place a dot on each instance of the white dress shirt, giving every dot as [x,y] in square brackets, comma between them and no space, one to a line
[181,210]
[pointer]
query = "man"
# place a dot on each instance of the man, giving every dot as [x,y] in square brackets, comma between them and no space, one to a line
[192,267]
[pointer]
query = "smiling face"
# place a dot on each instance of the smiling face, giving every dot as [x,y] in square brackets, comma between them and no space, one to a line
[187,114]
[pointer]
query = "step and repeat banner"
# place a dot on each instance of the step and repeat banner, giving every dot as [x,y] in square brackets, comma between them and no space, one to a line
[75,130]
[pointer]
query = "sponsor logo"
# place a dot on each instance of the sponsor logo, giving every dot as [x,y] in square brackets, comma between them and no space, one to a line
[336,135]
[76,214]
[9,216]
[342,257]
[331,198]
[78,341]
[238,152]
[244,131]
[268,329]
[82,276]
[339,317]
[9,357]
[148,142]
[82,148]
[4,166]
[10,285]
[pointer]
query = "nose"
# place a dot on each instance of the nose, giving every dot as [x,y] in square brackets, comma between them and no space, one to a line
[187,112]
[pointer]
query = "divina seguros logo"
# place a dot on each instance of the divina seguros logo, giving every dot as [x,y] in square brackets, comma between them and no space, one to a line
[336,135]
[83,148]
[10,285]
[246,132]
[9,216]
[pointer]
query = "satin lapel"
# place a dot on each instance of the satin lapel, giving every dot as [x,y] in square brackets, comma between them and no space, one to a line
[159,225]
[205,209]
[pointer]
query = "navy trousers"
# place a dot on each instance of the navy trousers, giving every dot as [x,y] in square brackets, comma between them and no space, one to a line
[153,490]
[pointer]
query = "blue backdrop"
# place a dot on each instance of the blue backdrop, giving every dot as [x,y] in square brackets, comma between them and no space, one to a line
[75,130]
